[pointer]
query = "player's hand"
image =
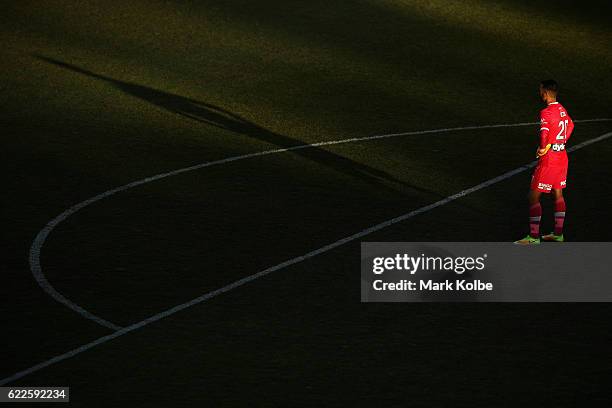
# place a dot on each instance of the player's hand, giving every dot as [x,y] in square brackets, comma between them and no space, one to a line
[542,151]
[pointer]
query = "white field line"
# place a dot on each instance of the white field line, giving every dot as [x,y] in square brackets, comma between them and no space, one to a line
[42,235]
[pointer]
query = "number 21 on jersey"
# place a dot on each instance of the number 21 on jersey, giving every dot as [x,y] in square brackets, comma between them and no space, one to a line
[562,129]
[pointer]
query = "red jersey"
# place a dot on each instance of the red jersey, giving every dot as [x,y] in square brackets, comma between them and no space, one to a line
[556,127]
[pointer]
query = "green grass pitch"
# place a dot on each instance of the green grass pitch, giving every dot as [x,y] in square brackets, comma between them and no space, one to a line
[99,94]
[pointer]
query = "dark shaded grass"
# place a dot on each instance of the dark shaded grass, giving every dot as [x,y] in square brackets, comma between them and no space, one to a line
[275,74]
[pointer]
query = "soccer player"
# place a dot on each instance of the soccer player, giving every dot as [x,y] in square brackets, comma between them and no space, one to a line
[550,174]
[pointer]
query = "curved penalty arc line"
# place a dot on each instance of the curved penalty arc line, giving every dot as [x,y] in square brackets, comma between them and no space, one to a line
[42,236]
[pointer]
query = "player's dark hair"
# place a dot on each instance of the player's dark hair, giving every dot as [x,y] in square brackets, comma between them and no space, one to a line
[550,85]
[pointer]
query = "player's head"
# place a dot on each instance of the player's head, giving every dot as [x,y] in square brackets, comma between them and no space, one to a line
[548,90]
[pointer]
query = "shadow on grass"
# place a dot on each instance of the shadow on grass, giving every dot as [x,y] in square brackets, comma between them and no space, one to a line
[216,116]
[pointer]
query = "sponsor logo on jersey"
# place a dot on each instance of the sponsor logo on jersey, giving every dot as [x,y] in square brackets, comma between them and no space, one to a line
[544,186]
[557,147]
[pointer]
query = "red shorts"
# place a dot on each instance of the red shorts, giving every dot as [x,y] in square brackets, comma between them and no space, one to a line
[546,178]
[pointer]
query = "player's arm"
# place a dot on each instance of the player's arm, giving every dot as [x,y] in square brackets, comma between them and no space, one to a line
[544,131]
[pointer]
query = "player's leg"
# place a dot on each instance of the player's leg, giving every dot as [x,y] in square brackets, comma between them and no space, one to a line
[541,182]
[535,216]
[557,234]
[559,212]
[535,213]
[559,176]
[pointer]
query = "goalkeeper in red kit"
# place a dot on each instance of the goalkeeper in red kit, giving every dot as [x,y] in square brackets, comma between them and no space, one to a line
[550,174]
